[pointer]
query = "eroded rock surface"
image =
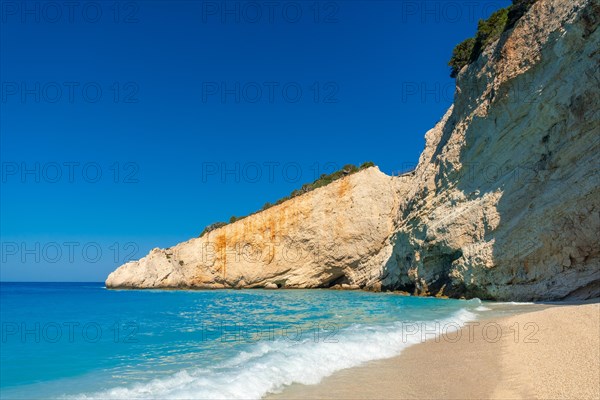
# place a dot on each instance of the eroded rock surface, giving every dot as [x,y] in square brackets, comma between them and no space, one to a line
[506,200]
[332,235]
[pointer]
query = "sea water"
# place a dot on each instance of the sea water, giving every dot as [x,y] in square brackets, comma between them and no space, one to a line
[80,340]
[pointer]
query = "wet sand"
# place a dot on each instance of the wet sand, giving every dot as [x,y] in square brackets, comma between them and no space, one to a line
[552,352]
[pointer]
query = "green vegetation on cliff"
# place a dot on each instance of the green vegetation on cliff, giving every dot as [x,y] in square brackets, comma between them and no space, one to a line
[488,31]
[323,180]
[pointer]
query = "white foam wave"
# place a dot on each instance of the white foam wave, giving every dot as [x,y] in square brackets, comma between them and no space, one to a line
[270,365]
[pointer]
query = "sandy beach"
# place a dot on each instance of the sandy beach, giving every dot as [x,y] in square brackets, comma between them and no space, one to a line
[549,353]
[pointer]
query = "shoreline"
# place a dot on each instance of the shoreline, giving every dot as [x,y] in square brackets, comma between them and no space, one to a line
[549,351]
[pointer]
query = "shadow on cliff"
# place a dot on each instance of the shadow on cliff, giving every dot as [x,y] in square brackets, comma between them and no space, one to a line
[534,153]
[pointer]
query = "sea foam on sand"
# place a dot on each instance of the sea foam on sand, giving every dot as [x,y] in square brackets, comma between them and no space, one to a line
[269,366]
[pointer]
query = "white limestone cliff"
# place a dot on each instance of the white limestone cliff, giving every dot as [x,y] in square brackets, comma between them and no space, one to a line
[333,234]
[504,203]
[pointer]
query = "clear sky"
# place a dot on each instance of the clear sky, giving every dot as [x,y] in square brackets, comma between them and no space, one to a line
[132,125]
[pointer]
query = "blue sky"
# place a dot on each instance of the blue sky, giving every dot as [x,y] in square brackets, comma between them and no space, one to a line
[132,125]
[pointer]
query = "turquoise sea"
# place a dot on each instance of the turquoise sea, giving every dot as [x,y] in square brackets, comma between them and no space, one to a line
[80,340]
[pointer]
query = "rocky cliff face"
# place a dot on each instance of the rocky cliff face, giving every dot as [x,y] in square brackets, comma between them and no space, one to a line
[333,235]
[504,204]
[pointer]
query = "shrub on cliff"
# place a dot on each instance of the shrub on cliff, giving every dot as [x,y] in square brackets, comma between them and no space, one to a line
[323,180]
[488,31]
[461,56]
[517,10]
[212,227]
[367,164]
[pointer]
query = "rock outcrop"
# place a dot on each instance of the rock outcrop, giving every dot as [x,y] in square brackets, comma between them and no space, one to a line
[332,235]
[506,200]
[504,203]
